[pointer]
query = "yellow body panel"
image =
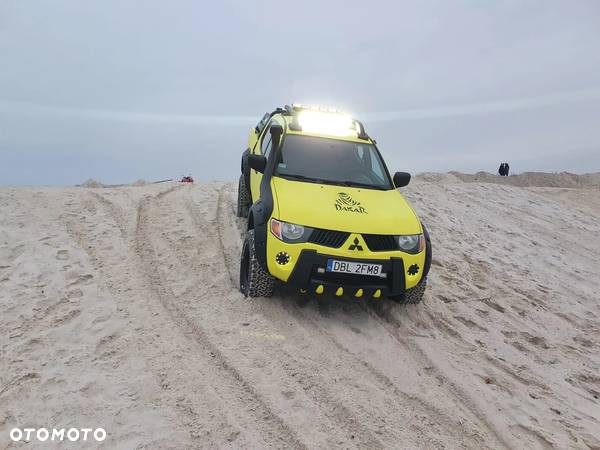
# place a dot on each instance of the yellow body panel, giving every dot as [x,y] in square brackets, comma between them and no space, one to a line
[358,211]
[255,176]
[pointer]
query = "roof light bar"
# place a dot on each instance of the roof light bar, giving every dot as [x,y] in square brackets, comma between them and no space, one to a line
[321,122]
[301,107]
[324,120]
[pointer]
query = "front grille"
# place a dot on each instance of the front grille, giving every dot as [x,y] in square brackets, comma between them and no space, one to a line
[328,238]
[380,242]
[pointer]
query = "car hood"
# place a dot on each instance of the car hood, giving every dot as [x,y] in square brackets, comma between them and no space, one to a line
[343,208]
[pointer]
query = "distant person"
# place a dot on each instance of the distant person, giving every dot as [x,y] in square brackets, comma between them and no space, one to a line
[506,169]
[502,169]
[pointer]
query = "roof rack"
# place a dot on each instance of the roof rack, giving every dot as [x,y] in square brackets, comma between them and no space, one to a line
[320,108]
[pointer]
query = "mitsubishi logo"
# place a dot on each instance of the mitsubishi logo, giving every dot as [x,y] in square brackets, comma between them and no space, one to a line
[356,245]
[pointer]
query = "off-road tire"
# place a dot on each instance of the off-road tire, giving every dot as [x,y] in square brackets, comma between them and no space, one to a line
[243,203]
[413,295]
[254,280]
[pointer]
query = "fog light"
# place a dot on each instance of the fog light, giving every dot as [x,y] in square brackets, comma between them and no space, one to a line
[377,293]
[413,270]
[359,293]
[282,258]
[340,291]
[319,289]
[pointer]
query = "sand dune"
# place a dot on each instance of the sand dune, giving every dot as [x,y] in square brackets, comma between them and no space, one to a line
[119,308]
[533,179]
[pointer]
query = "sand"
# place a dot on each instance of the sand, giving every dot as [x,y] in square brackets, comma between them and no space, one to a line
[119,309]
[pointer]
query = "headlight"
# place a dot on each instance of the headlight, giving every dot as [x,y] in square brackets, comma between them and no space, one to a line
[289,232]
[411,243]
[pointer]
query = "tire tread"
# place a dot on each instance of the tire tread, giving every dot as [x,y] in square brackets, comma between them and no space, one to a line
[260,282]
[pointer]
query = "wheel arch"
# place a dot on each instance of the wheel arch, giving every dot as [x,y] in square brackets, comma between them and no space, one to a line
[428,252]
[258,220]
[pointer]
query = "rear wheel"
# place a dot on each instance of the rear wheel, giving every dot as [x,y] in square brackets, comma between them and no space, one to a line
[254,280]
[243,203]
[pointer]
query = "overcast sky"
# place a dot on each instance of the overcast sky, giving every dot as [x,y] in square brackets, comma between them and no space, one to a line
[119,90]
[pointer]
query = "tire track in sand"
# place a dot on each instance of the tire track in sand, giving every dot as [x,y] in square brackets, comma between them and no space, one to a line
[203,414]
[161,346]
[405,401]
[307,382]
[401,404]
[233,388]
[416,351]
[367,370]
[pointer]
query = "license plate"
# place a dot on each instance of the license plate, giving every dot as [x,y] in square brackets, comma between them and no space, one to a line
[357,268]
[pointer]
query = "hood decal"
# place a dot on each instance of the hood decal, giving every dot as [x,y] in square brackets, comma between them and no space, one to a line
[345,202]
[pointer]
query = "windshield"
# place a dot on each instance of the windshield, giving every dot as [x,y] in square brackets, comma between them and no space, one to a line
[331,161]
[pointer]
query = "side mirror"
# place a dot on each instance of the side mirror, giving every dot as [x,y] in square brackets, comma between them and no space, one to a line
[257,162]
[401,179]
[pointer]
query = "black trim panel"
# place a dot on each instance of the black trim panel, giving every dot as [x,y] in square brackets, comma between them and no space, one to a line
[428,254]
[305,275]
[328,238]
[381,242]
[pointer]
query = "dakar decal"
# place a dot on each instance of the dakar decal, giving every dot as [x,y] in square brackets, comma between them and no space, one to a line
[346,203]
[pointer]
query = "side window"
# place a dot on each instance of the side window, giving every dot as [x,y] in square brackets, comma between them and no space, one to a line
[265,146]
[261,125]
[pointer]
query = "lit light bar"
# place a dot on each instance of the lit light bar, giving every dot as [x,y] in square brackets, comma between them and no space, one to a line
[301,107]
[324,120]
[320,122]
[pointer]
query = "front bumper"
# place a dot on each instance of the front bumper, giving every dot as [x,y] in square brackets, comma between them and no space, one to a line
[309,274]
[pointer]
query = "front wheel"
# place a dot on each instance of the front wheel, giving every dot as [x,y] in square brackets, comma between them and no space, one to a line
[254,280]
[413,295]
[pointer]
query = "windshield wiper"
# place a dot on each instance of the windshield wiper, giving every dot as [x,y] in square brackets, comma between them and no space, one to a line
[301,178]
[348,183]
[365,185]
